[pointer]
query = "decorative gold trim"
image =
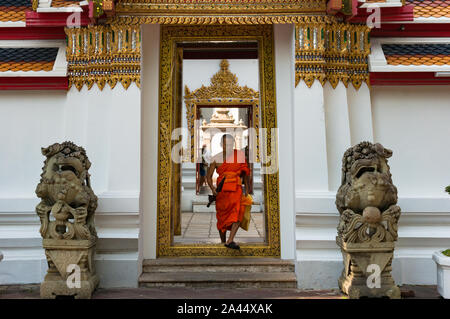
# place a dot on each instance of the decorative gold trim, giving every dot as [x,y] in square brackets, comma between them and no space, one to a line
[195,19]
[34,4]
[199,12]
[224,90]
[104,54]
[219,11]
[170,35]
[327,50]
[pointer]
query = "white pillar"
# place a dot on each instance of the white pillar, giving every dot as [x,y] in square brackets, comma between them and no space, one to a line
[284,65]
[360,114]
[149,141]
[311,172]
[338,131]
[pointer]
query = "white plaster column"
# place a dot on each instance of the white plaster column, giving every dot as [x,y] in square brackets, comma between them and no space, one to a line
[311,173]
[360,114]
[149,141]
[284,65]
[338,130]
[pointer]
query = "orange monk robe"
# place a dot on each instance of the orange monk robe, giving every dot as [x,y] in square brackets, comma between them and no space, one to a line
[230,206]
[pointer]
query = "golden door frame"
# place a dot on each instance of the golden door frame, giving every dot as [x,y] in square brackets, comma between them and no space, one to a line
[167,179]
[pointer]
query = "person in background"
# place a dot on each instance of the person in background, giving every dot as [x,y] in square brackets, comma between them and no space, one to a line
[203,166]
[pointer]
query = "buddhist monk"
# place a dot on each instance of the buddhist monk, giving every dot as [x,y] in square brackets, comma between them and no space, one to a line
[231,165]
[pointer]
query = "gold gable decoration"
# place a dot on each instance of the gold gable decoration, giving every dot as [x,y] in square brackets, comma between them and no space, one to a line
[224,84]
[327,50]
[104,54]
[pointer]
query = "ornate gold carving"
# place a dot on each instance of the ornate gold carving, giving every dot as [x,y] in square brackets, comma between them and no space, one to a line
[169,36]
[224,84]
[195,19]
[327,50]
[218,12]
[35,4]
[224,90]
[104,54]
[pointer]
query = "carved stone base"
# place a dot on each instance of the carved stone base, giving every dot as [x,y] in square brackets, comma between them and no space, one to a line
[71,269]
[358,258]
[53,286]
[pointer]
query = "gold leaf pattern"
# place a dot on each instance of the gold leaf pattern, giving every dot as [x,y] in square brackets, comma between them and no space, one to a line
[104,54]
[328,50]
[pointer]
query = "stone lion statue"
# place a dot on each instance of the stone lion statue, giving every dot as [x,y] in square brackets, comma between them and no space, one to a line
[367,230]
[367,196]
[66,194]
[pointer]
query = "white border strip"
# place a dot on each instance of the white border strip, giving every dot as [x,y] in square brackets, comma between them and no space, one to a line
[13,24]
[46,6]
[324,203]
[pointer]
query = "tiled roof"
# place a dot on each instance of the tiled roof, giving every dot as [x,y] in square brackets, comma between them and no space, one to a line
[13,10]
[27,59]
[430,8]
[15,3]
[417,54]
[65,3]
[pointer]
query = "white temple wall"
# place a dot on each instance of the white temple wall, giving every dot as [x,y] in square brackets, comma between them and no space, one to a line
[106,124]
[413,122]
[119,129]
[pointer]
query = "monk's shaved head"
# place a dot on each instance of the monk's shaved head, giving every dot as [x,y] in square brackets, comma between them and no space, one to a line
[228,139]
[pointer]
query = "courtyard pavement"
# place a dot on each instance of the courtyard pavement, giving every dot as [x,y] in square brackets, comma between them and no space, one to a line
[32,292]
[202,228]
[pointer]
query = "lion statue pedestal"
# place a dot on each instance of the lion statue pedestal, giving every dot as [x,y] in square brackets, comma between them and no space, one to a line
[355,283]
[66,212]
[368,222]
[60,255]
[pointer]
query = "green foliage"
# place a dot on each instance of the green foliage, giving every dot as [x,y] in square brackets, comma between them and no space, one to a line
[446,252]
[447,189]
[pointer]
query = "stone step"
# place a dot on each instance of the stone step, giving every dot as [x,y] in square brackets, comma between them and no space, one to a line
[202,265]
[219,280]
